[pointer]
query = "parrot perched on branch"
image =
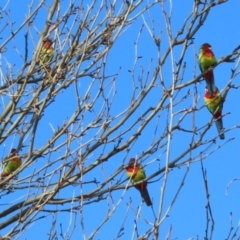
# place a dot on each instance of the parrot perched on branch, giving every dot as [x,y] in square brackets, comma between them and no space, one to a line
[215,105]
[136,173]
[13,162]
[46,53]
[206,60]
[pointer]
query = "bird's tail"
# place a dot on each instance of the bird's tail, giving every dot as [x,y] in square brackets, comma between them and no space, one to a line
[211,85]
[219,125]
[145,196]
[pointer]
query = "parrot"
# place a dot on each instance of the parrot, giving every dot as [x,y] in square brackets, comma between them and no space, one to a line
[136,173]
[46,53]
[206,60]
[13,162]
[215,105]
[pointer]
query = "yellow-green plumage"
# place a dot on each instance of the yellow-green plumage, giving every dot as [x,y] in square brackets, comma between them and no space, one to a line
[136,173]
[47,52]
[215,105]
[206,60]
[13,162]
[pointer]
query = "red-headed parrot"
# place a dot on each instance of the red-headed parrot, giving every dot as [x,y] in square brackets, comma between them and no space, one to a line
[206,60]
[46,53]
[13,162]
[215,105]
[136,173]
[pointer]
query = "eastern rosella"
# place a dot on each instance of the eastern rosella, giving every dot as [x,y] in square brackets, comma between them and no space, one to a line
[206,60]
[136,173]
[46,53]
[215,105]
[13,162]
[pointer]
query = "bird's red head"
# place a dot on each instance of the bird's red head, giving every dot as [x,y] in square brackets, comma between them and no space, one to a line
[13,150]
[132,160]
[206,46]
[47,42]
[207,94]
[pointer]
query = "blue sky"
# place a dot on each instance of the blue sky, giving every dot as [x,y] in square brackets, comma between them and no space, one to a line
[188,214]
